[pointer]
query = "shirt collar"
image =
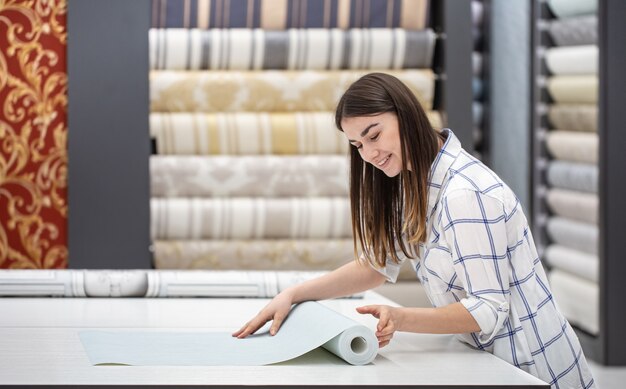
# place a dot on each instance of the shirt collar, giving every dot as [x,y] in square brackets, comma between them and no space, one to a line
[440,167]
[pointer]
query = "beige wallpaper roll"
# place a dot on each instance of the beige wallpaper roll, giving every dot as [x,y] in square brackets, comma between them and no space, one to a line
[249,176]
[230,91]
[574,205]
[574,117]
[573,146]
[574,89]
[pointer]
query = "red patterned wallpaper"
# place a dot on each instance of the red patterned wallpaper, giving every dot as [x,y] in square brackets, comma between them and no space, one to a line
[33,134]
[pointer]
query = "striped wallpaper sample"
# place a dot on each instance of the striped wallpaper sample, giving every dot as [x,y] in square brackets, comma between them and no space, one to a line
[573,146]
[248,133]
[574,89]
[581,30]
[249,176]
[294,49]
[574,117]
[569,8]
[575,262]
[572,60]
[270,90]
[250,218]
[579,206]
[578,299]
[573,234]
[283,14]
[573,176]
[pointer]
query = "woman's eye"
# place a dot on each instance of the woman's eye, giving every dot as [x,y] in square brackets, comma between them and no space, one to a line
[375,136]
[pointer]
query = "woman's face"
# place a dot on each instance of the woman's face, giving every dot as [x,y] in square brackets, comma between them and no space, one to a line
[378,140]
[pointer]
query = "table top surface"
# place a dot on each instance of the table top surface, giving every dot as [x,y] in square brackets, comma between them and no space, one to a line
[39,345]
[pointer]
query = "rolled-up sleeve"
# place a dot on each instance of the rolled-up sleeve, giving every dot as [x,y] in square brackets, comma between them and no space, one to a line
[474,226]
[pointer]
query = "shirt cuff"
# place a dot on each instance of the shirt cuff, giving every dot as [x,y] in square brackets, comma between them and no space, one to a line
[391,271]
[490,316]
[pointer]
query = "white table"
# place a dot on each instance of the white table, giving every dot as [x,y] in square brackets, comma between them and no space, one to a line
[39,346]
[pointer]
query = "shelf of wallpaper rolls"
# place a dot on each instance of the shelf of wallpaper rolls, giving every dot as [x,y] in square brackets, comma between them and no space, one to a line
[578,213]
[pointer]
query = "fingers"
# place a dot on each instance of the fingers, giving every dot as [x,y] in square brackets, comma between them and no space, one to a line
[373,310]
[250,327]
[278,321]
[386,326]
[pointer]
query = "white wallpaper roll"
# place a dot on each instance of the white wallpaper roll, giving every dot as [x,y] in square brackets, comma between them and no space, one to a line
[574,235]
[574,262]
[577,298]
[573,60]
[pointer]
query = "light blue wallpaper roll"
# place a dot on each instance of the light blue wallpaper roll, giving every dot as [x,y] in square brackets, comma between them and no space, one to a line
[572,175]
[569,8]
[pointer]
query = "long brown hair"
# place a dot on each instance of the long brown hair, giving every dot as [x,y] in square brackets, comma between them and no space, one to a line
[384,208]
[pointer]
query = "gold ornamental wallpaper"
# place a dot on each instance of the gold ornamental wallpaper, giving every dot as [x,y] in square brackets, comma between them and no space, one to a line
[33,134]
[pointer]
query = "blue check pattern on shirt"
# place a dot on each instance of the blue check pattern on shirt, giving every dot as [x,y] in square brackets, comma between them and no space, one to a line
[480,252]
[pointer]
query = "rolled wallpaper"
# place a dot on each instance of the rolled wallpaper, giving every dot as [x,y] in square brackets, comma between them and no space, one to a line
[581,30]
[573,146]
[574,117]
[572,60]
[577,298]
[573,175]
[261,254]
[249,176]
[294,49]
[477,113]
[569,8]
[250,218]
[283,14]
[574,205]
[477,63]
[270,90]
[477,88]
[477,13]
[575,262]
[248,133]
[574,89]
[574,235]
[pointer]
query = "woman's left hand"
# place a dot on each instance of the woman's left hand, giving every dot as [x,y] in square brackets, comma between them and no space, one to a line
[388,320]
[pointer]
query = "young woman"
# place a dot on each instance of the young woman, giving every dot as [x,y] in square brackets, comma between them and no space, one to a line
[416,193]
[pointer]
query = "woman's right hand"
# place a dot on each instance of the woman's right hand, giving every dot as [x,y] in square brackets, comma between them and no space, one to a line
[276,310]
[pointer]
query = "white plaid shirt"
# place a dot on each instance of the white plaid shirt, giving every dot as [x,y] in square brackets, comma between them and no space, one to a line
[480,252]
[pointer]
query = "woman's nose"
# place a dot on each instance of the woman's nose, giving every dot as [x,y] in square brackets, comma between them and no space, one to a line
[369,153]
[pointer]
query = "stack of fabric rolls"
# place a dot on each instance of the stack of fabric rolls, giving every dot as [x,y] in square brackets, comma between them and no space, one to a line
[478,77]
[249,171]
[572,174]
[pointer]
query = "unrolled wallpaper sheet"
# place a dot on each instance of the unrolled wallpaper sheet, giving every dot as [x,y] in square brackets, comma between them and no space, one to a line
[573,234]
[269,90]
[249,176]
[573,176]
[574,89]
[282,14]
[575,262]
[309,325]
[569,8]
[572,60]
[577,299]
[295,49]
[574,205]
[581,30]
[574,117]
[573,146]
[246,133]
[250,218]
[260,254]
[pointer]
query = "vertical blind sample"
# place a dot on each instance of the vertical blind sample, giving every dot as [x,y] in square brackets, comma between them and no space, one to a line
[569,8]
[574,89]
[573,205]
[573,175]
[581,30]
[573,60]
[574,235]
[578,300]
[283,14]
[249,176]
[270,90]
[575,262]
[573,146]
[574,117]
[250,218]
[294,49]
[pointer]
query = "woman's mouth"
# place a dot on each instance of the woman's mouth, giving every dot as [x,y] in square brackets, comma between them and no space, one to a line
[383,162]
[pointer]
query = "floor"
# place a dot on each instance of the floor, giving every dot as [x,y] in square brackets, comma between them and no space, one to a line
[411,294]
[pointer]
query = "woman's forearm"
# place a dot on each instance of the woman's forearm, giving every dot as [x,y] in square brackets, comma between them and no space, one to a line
[451,319]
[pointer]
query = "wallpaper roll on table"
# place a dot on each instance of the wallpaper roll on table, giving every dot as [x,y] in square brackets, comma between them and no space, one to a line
[573,176]
[577,298]
[569,8]
[581,30]
[294,49]
[575,262]
[573,146]
[573,234]
[308,326]
[269,90]
[250,218]
[573,60]
[574,205]
[249,133]
[574,117]
[574,89]
[249,176]
[282,14]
